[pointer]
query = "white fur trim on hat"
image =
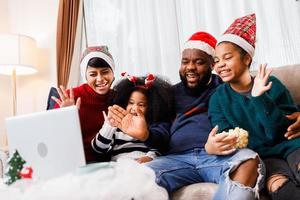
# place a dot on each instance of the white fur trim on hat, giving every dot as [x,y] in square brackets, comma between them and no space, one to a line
[197,44]
[85,60]
[238,41]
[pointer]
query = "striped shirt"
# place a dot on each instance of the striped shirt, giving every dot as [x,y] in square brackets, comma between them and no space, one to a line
[110,140]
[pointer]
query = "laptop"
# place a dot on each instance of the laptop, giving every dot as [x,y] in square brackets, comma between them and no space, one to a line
[49,141]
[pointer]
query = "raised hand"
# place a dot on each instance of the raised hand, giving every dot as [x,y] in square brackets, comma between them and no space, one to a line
[115,115]
[293,131]
[260,82]
[65,99]
[133,125]
[107,121]
[220,144]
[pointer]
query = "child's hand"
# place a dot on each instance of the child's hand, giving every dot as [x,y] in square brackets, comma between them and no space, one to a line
[242,137]
[144,159]
[260,82]
[111,123]
[220,144]
[135,126]
[65,99]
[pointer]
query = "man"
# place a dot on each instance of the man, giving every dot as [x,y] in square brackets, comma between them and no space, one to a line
[187,142]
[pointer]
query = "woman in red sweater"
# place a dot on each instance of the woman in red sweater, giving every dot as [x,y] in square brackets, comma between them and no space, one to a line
[92,97]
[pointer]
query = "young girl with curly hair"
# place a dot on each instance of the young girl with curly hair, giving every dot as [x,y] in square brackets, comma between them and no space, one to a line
[148,96]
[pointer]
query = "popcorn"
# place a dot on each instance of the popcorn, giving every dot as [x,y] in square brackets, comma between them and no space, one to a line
[242,137]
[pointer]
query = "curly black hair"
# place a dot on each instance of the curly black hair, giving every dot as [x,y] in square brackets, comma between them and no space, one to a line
[159,96]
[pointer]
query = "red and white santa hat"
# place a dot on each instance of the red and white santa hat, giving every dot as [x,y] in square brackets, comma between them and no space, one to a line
[203,41]
[242,32]
[92,52]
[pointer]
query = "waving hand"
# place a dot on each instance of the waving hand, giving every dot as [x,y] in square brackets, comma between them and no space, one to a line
[260,85]
[133,125]
[66,99]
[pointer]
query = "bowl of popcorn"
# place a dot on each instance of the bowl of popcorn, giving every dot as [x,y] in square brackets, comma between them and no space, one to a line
[242,136]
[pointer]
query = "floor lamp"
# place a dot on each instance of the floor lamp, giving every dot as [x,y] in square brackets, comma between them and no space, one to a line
[17,57]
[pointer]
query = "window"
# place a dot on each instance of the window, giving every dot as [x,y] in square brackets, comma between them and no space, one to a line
[147,35]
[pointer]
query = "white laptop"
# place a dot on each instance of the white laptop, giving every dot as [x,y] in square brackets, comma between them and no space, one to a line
[49,141]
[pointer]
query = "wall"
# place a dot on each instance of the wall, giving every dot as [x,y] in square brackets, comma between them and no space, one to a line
[37,19]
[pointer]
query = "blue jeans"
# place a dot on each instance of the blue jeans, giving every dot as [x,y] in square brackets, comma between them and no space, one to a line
[194,166]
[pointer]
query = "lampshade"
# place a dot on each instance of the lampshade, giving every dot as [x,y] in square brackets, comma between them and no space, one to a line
[17,52]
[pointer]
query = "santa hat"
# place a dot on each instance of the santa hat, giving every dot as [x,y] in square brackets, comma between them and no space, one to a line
[242,32]
[203,41]
[95,52]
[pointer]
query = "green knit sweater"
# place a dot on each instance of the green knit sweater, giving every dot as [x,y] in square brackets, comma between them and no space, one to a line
[263,117]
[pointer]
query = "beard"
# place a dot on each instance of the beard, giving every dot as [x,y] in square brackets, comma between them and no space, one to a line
[199,87]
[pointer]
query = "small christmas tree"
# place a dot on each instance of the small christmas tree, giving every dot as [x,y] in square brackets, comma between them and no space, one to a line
[14,166]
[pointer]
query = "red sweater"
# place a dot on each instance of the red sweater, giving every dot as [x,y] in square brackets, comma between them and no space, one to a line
[91,117]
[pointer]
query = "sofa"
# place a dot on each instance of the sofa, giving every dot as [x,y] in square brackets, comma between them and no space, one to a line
[289,75]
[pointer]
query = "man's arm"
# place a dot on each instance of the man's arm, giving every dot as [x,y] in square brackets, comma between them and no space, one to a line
[159,136]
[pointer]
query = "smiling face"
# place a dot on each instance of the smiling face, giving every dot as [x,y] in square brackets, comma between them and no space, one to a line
[230,63]
[99,79]
[137,100]
[195,70]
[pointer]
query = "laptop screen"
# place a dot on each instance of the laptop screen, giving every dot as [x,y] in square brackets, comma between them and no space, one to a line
[49,141]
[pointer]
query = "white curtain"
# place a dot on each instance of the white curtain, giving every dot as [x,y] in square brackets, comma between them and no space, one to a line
[147,35]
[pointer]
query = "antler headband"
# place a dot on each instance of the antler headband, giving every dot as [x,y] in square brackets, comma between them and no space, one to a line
[148,80]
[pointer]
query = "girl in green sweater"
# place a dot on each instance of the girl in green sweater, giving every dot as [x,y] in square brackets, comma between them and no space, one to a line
[258,105]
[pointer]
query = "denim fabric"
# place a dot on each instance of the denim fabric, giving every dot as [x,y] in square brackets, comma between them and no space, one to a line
[290,189]
[194,166]
[278,166]
[293,160]
[288,167]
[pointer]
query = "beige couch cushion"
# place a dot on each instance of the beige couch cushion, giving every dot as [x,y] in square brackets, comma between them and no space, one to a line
[290,77]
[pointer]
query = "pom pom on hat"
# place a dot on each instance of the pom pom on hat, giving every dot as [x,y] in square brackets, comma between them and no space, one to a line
[242,32]
[202,41]
[98,52]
